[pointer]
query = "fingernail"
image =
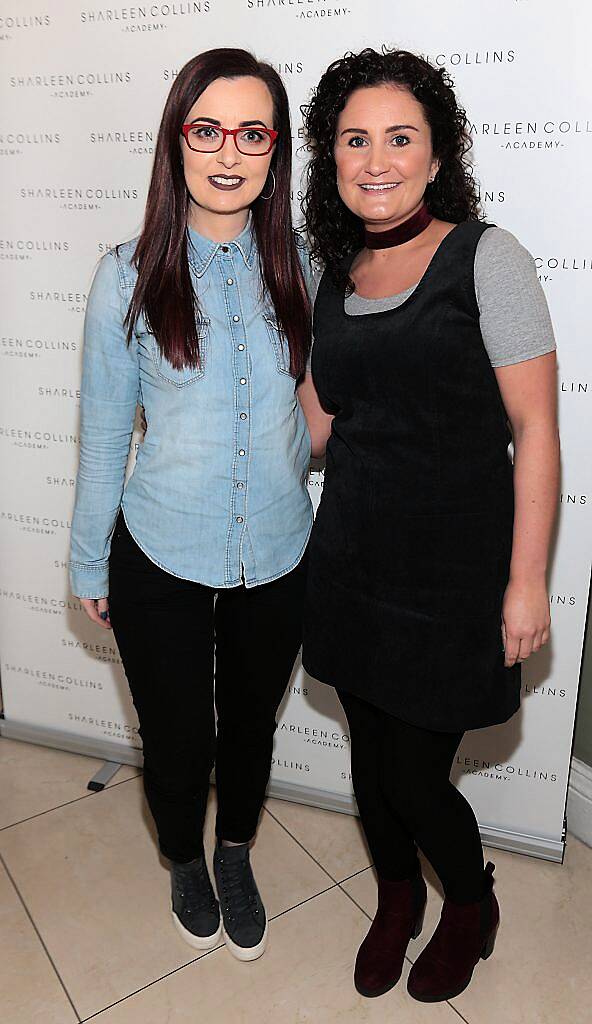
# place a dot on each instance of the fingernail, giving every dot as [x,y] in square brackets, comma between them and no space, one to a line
[104,615]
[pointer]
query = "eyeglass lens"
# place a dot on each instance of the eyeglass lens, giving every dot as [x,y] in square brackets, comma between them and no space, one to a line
[206,138]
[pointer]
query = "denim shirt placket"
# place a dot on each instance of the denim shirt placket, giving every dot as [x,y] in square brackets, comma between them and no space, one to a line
[242,410]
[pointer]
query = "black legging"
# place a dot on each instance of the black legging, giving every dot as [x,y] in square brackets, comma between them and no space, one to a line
[166,628]
[401,778]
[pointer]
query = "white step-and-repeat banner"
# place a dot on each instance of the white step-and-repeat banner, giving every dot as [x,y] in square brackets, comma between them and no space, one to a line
[82,86]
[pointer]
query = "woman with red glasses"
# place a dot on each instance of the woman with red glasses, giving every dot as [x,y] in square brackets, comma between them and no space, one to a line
[204,321]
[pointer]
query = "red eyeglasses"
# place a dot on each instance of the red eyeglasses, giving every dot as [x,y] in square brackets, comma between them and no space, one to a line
[209,138]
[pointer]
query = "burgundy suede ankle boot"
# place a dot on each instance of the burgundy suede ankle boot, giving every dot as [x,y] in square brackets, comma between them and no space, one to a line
[465,934]
[399,918]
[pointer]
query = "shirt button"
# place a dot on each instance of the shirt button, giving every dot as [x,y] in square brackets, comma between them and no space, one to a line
[241,451]
[239,519]
[241,348]
[243,415]
[240,485]
[225,248]
[229,280]
[236,319]
[243,380]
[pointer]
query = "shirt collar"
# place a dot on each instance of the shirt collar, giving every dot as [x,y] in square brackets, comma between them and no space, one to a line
[202,250]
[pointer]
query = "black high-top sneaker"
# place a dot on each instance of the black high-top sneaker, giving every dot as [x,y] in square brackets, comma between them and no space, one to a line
[243,913]
[196,913]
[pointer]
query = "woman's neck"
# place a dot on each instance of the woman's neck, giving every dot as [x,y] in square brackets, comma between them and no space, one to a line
[219,227]
[401,233]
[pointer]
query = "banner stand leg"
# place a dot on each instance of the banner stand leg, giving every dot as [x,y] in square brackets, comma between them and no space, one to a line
[104,775]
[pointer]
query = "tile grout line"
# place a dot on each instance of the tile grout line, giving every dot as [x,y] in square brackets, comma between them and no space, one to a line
[301,845]
[355,874]
[38,934]
[302,902]
[76,800]
[181,967]
[338,881]
[452,1007]
[355,902]
[149,984]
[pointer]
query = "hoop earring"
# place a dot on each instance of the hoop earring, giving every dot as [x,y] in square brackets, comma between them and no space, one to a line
[273,189]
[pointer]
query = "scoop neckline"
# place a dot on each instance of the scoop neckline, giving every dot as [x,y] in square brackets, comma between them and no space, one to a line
[416,288]
[407,292]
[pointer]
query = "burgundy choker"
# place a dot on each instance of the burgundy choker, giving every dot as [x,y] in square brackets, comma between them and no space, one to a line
[401,233]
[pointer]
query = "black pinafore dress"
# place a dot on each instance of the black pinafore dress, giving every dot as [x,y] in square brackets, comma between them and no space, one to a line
[410,552]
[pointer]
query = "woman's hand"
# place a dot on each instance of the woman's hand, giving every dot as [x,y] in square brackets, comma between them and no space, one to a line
[97,611]
[526,620]
[318,421]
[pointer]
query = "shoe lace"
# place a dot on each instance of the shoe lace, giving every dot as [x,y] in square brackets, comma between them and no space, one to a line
[238,888]
[196,889]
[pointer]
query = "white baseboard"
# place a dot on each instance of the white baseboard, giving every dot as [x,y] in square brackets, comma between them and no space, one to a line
[579,801]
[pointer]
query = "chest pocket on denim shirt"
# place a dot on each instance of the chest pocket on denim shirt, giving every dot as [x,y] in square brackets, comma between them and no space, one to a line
[279,341]
[188,374]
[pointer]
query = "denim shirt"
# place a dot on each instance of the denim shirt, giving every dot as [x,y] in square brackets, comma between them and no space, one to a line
[218,493]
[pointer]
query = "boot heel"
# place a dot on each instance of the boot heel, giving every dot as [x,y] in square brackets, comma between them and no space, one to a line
[489,945]
[419,923]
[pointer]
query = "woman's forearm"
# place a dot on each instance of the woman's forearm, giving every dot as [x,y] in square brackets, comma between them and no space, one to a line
[536,486]
[318,421]
[109,393]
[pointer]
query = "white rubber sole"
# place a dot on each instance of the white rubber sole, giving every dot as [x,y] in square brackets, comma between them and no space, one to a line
[246,953]
[198,941]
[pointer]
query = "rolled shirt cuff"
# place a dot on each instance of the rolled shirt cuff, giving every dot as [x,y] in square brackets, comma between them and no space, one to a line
[89,581]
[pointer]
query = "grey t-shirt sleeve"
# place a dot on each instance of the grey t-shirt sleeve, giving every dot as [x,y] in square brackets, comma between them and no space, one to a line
[515,321]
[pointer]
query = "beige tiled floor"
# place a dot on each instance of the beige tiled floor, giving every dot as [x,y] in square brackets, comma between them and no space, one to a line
[37,779]
[85,928]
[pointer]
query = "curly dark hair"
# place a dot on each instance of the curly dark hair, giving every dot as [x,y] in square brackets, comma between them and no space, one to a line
[334,232]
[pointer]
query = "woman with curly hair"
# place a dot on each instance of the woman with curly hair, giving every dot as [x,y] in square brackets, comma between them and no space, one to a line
[433,350]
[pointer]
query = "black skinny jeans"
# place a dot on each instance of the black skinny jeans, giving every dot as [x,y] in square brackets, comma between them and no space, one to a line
[401,778]
[168,631]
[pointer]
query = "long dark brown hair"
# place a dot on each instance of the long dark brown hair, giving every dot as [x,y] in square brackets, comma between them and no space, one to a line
[164,291]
